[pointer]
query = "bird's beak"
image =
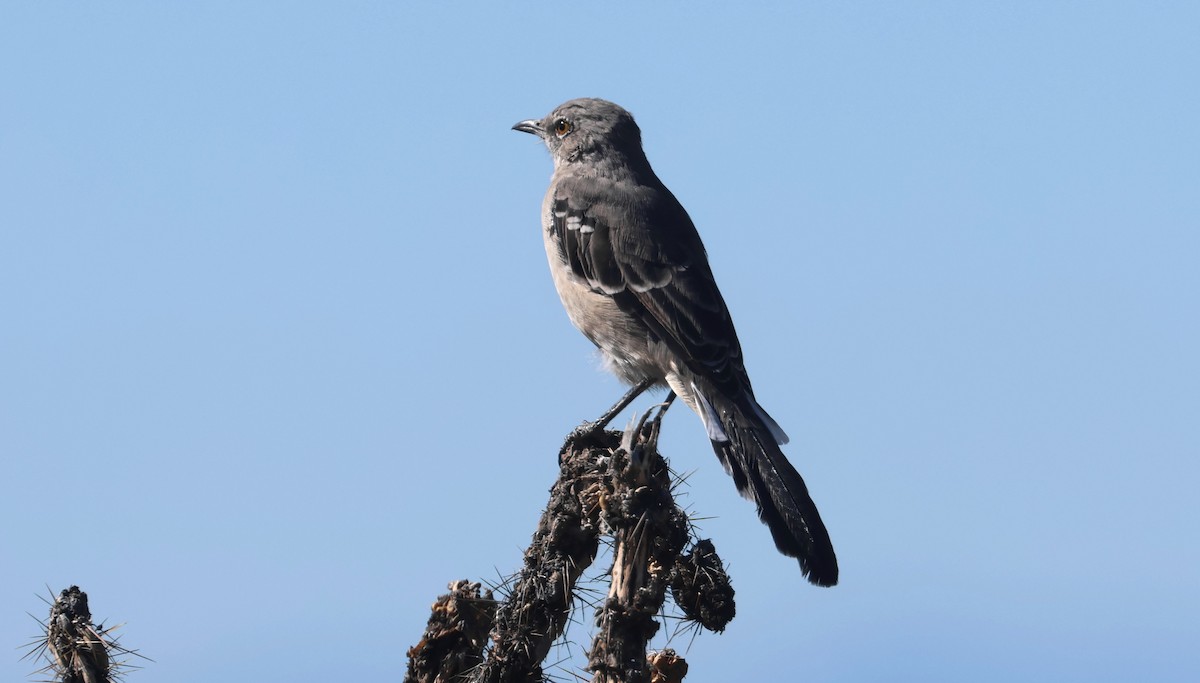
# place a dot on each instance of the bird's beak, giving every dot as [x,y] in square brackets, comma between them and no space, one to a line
[531,126]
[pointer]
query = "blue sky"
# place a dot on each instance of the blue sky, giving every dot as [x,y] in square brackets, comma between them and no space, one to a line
[281,357]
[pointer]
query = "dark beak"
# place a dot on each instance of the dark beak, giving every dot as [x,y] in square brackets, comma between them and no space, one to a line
[532,126]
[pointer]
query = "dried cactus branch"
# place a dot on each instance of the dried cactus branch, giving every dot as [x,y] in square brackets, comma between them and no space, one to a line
[610,484]
[564,545]
[77,650]
[649,531]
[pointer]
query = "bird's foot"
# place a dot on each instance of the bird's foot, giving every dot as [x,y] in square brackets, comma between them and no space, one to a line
[643,433]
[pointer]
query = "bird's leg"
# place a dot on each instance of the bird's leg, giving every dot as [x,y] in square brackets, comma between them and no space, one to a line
[640,436]
[621,405]
[656,423]
[588,432]
[662,408]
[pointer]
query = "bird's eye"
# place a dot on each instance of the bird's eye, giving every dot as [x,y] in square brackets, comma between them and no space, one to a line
[562,127]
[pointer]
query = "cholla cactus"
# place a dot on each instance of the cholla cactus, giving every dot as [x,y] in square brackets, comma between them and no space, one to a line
[76,650]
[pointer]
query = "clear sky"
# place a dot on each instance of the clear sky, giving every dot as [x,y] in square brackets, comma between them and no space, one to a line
[280,356]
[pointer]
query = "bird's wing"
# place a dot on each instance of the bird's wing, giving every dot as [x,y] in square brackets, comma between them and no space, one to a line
[637,245]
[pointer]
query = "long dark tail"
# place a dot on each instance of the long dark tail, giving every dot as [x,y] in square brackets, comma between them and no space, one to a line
[763,474]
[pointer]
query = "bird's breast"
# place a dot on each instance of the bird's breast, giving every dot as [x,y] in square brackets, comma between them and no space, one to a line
[626,345]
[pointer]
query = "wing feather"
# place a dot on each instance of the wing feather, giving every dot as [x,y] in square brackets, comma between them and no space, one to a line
[650,270]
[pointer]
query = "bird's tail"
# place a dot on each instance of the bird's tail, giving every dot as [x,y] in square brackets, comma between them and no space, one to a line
[763,474]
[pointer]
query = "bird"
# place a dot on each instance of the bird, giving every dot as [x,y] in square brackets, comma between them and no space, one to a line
[634,278]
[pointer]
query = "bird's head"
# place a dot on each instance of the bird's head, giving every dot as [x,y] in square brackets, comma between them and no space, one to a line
[587,129]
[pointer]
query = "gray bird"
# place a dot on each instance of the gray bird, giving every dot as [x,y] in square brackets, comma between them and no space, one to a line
[634,277]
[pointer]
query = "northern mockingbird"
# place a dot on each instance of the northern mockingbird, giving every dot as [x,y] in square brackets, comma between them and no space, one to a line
[633,275]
